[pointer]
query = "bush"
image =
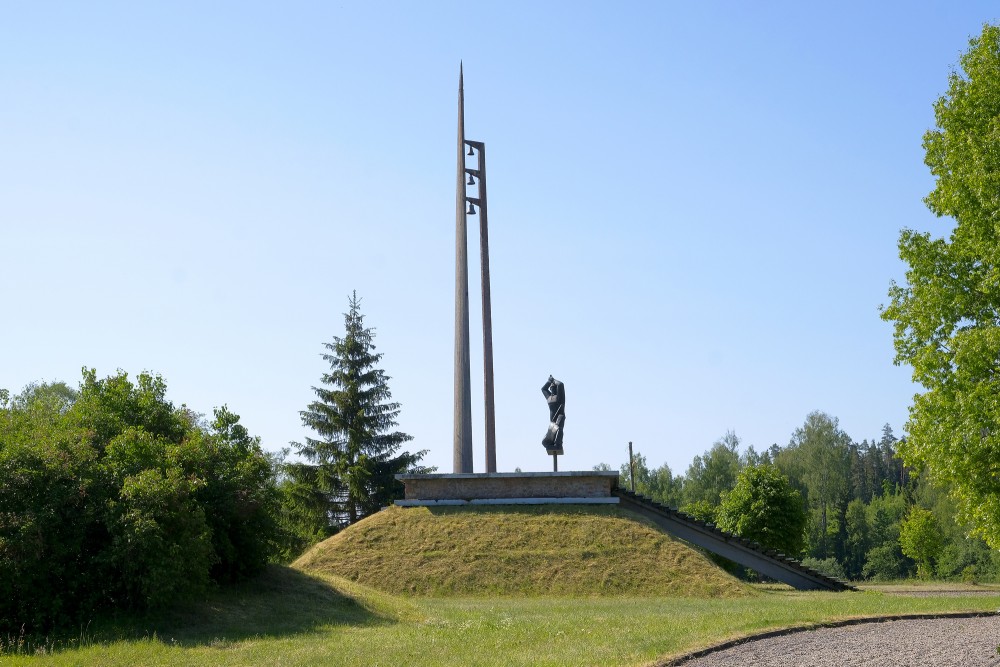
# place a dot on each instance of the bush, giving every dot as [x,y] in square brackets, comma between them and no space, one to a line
[701,510]
[886,562]
[114,498]
[831,567]
[969,559]
[764,507]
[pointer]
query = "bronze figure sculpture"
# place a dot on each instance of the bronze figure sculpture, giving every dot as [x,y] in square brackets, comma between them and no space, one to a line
[555,395]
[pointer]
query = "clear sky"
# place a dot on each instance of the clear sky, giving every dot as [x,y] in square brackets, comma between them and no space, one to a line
[694,207]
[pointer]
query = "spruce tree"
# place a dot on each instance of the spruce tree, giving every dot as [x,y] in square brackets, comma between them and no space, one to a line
[355,454]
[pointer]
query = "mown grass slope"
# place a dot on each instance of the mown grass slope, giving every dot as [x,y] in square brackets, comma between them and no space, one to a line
[518,550]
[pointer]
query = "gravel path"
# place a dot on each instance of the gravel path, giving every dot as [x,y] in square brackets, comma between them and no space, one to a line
[942,642]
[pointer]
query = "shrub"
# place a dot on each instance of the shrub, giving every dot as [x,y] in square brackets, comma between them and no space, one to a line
[886,562]
[114,498]
[831,567]
[765,508]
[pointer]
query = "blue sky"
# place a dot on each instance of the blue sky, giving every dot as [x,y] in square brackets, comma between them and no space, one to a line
[694,207]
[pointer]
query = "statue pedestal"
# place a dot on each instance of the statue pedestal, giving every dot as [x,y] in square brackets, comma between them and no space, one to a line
[510,488]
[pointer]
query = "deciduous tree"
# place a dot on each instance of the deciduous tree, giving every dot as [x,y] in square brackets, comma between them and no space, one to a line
[764,507]
[714,472]
[818,457]
[946,315]
[921,540]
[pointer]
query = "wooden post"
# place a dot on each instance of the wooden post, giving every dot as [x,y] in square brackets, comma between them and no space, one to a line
[631,466]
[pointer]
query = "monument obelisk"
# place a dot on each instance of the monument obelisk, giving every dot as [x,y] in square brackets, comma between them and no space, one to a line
[463,372]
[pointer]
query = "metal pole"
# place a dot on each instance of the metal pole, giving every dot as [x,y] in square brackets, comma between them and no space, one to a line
[555,463]
[631,465]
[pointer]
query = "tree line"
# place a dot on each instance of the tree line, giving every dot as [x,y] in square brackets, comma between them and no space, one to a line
[851,509]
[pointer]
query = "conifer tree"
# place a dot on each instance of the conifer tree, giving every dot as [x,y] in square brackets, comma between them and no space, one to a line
[355,454]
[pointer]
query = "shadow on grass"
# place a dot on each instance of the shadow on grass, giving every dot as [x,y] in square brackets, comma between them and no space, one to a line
[280,602]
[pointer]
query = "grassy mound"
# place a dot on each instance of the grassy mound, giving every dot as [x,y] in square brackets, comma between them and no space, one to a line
[511,550]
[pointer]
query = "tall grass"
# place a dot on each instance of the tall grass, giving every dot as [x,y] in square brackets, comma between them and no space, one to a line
[22,643]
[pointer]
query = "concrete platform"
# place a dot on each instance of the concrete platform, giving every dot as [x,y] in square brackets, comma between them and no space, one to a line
[514,488]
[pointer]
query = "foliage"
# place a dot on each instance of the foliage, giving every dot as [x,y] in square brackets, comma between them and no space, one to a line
[945,315]
[112,497]
[864,489]
[352,463]
[303,515]
[831,567]
[921,540]
[873,537]
[241,495]
[713,473]
[658,484]
[968,560]
[859,538]
[701,510]
[764,507]
[885,563]
[818,458]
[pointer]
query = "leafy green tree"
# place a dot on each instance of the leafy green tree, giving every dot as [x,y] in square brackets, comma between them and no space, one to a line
[885,563]
[969,560]
[945,320]
[49,521]
[751,457]
[859,538]
[819,459]
[765,508]
[962,555]
[240,490]
[714,472]
[353,460]
[884,559]
[658,484]
[921,539]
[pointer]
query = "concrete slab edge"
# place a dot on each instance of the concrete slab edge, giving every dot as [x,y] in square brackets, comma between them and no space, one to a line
[508,501]
[770,634]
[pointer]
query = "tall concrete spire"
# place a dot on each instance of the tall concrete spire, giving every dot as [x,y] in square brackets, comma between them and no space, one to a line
[463,371]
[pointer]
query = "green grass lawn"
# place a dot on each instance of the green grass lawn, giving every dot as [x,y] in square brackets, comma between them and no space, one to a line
[518,551]
[291,618]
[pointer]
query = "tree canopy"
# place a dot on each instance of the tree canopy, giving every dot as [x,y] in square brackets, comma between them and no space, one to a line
[946,316]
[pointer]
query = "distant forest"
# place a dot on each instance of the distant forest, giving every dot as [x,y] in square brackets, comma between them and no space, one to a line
[868,515]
